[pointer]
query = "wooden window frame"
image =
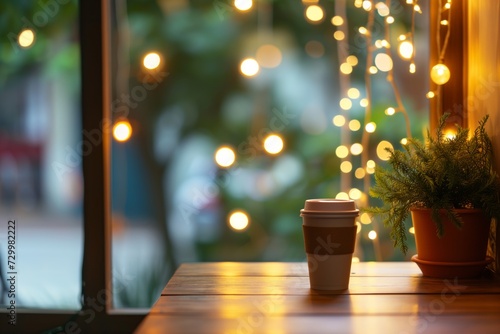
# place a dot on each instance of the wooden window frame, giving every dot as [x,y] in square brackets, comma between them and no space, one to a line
[97,314]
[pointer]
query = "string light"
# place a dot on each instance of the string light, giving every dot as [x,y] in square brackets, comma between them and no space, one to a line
[273,144]
[122,131]
[243,5]
[440,74]
[151,61]
[225,156]
[238,220]
[26,38]
[249,67]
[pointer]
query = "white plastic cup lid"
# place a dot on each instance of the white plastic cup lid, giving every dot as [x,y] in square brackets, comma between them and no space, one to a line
[329,205]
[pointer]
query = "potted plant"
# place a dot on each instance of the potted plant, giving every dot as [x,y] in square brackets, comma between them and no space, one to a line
[449,187]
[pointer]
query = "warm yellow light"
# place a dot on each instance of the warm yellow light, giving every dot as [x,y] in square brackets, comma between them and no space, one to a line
[268,56]
[372,235]
[405,50]
[225,156]
[352,60]
[346,166]
[238,220]
[342,151]
[359,173]
[353,93]
[365,218]
[151,61]
[370,164]
[447,5]
[370,127]
[122,131]
[411,230]
[363,103]
[389,19]
[363,31]
[373,70]
[249,67]
[417,8]
[356,149]
[404,141]
[358,3]
[378,44]
[273,144]
[314,13]
[383,62]
[339,35]
[337,20]
[401,38]
[367,5]
[440,74]
[382,154]
[243,5]
[345,103]
[342,195]
[382,9]
[390,111]
[354,194]
[444,22]
[339,120]
[26,38]
[450,134]
[430,95]
[410,2]
[354,125]
[345,68]
[355,259]
[413,68]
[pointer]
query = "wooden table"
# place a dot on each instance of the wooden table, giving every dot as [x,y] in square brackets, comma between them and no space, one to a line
[383,297]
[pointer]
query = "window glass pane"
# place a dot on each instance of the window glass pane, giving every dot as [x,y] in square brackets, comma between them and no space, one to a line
[238,112]
[40,154]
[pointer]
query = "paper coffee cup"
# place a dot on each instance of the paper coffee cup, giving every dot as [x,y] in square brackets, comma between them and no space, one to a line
[329,227]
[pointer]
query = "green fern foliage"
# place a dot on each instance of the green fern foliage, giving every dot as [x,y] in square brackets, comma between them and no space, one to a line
[445,173]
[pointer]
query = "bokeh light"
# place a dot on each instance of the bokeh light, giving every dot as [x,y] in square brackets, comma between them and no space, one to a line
[339,120]
[122,130]
[225,156]
[353,93]
[365,218]
[151,61]
[315,13]
[440,74]
[405,50]
[383,62]
[345,166]
[339,35]
[352,60]
[345,68]
[243,5]
[268,56]
[356,149]
[238,220]
[370,127]
[249,67]
[273,144]
[355,193]
[342,195]
[345,103]
[337,20]
[359,173]
[354,125]
[26,38]
[342,151]
[372,235]
[382,154]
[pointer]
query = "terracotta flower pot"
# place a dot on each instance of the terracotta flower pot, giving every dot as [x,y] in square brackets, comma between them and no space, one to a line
[459,252]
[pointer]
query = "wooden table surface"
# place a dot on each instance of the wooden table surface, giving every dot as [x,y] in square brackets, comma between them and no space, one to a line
[274,297]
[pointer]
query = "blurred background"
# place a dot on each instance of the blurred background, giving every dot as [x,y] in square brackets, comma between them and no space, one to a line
[227,115]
